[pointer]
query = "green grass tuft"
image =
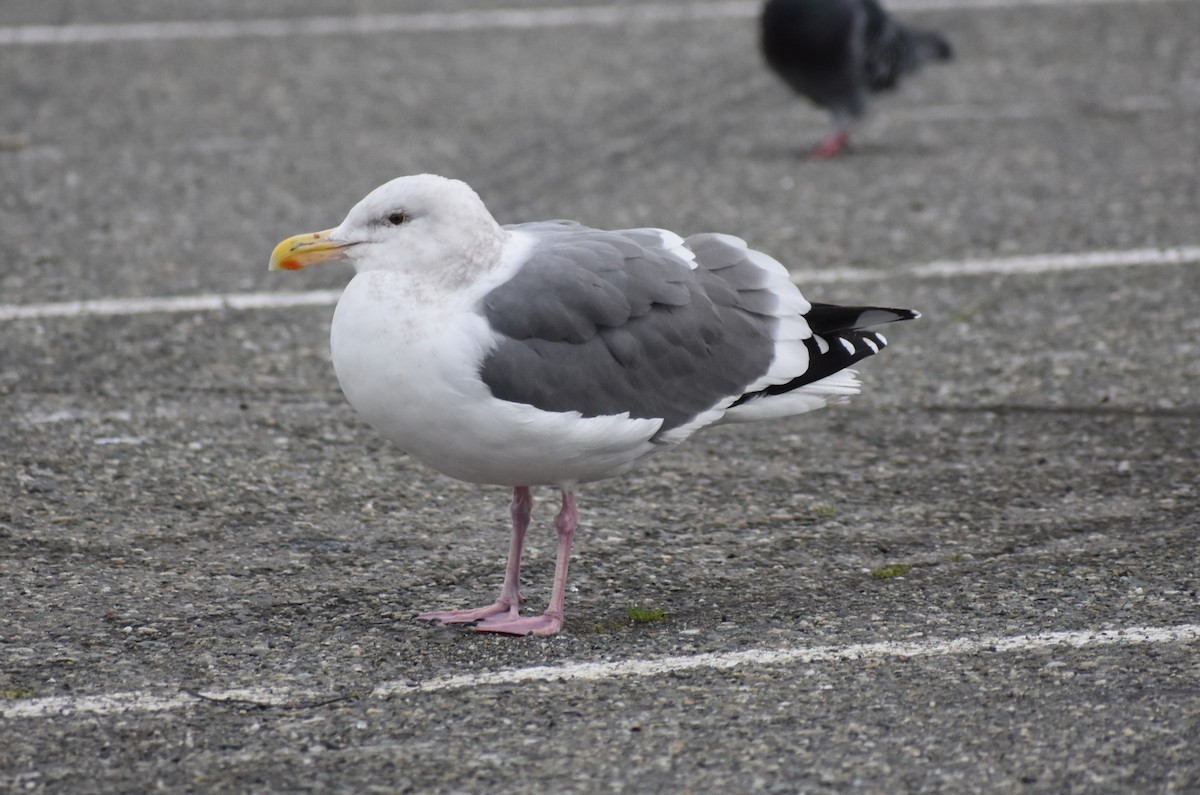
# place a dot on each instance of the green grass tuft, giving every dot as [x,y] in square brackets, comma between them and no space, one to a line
[644,615]
[888,572]
[16,692]
[634,615]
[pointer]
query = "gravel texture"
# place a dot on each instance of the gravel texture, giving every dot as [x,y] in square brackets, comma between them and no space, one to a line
[187,504]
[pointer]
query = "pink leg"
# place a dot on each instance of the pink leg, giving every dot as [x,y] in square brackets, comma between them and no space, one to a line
[551,621]
[510,595]
[833,145]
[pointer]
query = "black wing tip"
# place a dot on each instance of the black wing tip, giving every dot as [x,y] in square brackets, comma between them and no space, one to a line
[826,318]
[898,315]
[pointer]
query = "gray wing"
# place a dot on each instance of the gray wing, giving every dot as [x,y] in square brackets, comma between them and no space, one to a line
[606,323]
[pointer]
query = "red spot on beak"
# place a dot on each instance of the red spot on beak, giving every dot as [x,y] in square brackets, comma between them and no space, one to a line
[290,265]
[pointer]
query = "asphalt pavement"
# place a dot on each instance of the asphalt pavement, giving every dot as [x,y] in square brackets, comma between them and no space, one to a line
[978,576]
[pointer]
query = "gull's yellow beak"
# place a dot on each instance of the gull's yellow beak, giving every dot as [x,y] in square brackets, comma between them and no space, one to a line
[301,251]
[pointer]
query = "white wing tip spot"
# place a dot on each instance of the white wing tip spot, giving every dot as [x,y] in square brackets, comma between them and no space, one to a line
[847,344]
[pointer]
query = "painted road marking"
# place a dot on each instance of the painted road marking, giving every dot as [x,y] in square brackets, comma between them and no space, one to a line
[453,21]
[179,303]
[1015,266]
[1007,266]
[143,702]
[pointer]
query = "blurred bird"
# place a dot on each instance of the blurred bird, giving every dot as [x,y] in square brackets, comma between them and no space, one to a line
[839,52]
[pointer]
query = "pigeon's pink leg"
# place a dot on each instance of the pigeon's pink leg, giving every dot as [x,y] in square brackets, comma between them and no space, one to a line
[833,145]
[551,621]
[510,595]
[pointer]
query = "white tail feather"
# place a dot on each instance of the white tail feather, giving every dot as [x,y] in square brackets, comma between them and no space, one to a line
[830,389]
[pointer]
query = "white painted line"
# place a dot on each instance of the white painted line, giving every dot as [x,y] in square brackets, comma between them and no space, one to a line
[114,704]
[179,303]
[1007,266]
[1035,264]
[137,701]
[593,671]
[118,703]
[435,21]
[1045,263]
[971,5]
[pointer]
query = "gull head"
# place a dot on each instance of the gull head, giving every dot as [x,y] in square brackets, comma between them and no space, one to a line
[428,226]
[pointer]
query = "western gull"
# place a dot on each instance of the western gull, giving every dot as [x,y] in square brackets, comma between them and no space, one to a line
[552,353]
[839,52]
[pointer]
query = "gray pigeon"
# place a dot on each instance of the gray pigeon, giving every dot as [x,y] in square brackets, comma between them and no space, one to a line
[839,52]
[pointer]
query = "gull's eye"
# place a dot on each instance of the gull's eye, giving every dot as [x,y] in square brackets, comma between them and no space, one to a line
[397,218]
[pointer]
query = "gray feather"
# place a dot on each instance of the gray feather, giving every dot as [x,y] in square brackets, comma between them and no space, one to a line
[605,323]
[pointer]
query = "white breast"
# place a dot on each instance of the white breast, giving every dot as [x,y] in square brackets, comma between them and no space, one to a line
[409,364]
